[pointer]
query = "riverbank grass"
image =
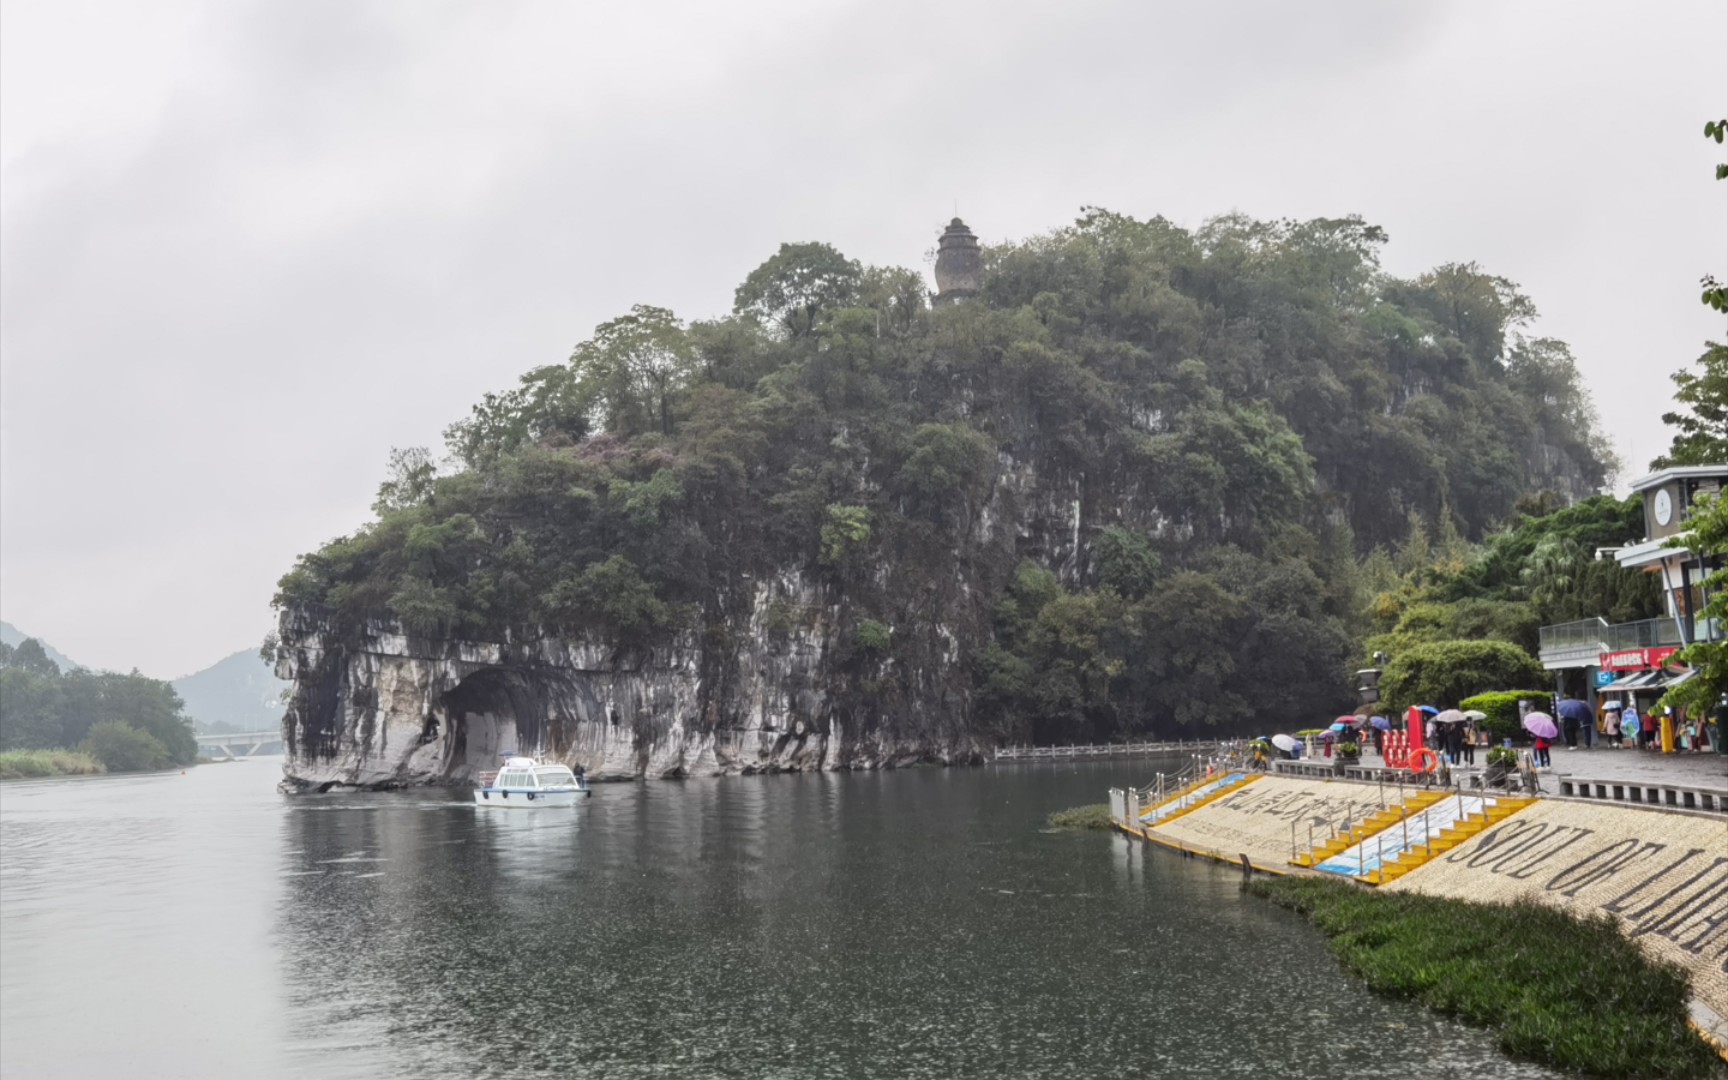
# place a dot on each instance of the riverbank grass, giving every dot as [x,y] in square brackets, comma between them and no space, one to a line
[1554,988]
[31,764]
[1096,816]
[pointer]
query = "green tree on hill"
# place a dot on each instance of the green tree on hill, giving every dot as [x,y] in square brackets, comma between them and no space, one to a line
[1133,486]
[1701,431]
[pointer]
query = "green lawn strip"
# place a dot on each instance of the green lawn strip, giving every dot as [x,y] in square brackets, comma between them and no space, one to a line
[1096,816]
[1554,988]
[30,764]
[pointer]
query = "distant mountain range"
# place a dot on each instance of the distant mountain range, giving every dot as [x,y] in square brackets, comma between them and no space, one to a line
[237,693]
[14,637]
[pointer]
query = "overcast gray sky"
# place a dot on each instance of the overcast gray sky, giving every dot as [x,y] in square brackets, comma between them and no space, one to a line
[248,247]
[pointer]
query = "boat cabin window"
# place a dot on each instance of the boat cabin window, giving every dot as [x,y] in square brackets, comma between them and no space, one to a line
[556,777]
[516,778]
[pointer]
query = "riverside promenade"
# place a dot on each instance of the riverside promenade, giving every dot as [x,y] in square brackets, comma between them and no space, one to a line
[1639,766]
[1599,771]
[1630,847]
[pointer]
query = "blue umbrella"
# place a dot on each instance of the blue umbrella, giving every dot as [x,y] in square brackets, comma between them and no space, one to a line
[1430,710]
[1339,727]
[1573,709]
[1380,722]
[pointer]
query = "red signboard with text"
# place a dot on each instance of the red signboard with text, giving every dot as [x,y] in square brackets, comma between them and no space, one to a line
[1635,659]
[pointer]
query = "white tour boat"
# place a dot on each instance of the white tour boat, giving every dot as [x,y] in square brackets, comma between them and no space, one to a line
[524,782]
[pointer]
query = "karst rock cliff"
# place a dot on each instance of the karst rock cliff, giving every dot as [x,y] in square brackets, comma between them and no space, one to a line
[378,708]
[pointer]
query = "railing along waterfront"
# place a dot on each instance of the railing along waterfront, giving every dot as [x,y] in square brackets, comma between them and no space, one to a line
[1140,749]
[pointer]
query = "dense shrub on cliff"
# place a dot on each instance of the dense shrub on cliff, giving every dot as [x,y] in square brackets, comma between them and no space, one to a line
[1121,490]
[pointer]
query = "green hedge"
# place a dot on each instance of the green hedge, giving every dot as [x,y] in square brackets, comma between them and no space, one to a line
[1502,709]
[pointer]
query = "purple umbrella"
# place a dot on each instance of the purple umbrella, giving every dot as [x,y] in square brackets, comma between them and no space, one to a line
[1380,722]
[1541,725]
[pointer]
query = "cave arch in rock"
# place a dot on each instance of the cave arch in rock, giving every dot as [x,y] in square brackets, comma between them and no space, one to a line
[491,711]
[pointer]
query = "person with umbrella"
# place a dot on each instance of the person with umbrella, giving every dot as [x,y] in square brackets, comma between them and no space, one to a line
[1449,733]
[1541,725]
[1575,715]
[1471,719]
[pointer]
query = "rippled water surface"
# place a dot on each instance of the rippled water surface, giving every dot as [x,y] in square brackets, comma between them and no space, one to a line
[919,923]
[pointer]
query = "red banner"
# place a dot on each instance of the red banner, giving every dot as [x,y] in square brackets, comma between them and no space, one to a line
[1635,659]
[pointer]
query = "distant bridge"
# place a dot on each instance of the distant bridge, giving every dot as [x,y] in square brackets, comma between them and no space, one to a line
[241,744]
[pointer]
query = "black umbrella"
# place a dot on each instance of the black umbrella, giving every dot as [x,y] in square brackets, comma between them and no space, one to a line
[1573,709]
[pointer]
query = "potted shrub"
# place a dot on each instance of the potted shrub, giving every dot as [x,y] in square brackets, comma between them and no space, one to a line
[1348,752]
[1502,763]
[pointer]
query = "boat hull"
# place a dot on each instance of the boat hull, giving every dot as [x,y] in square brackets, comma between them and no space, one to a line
[523,799]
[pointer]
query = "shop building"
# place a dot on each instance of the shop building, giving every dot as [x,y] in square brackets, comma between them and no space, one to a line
[1634,662]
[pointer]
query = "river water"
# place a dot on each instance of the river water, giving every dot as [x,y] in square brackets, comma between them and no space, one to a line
[916,923]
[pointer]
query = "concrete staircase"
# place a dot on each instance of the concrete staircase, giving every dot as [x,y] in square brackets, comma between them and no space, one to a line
[1493,812]
[1383,818]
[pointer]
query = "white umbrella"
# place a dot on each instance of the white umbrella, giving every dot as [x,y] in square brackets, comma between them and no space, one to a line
[1475,714]
[1284,742]
[1450,716]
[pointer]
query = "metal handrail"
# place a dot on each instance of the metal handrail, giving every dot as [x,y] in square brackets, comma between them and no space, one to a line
[1639,634]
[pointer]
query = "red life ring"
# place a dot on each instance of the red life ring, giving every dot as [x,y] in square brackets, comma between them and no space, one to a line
[1416,757]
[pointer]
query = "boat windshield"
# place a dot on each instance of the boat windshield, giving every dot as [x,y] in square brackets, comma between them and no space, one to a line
[559,777]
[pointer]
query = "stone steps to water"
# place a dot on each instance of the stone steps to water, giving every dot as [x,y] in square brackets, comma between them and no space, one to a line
[1384,818]
[1447,839]
[1392,842]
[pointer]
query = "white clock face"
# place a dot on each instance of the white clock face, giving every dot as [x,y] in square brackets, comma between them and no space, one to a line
[1664,507]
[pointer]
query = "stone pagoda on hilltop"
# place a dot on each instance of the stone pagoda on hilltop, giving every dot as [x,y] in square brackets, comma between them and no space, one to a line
[959,265]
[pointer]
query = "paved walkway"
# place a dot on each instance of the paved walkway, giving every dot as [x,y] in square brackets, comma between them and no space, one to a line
[1624,766]
[1641,766]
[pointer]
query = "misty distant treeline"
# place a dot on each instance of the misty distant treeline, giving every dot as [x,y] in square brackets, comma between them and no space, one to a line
[1148,480]
[127,722]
